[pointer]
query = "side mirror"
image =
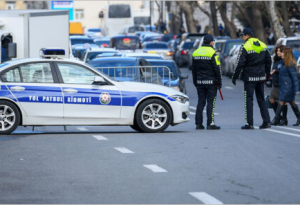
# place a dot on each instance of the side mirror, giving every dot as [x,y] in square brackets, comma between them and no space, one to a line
[99,81]
[184,76]
[12,50]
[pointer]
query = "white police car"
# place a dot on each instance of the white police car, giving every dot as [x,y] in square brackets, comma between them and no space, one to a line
[56,91]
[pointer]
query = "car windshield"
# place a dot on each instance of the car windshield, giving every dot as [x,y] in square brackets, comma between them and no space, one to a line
[92,55]
[119,11]
[164,72]
[126,43]
[156,46]
[135,28]
[188,45]
[141,20]
[293,44]
[82,41]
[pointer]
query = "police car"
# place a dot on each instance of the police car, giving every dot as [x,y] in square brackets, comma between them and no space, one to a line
[55,91]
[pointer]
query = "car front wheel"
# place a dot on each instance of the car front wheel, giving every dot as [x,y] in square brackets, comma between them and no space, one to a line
[9,117]
[153,115]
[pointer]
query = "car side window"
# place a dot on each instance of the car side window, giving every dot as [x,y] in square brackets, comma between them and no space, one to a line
[37,73]
[74,74]
[12,75]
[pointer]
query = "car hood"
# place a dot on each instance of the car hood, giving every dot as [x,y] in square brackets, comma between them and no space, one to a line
[147,87]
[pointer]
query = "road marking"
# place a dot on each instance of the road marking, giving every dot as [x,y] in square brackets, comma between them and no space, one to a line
[287,128]
[193,108]
[298,103]
[155,168]
[82,129]
[227,87]
[124,150]
[280,132]
[205,198]
[100,137]
[192,113]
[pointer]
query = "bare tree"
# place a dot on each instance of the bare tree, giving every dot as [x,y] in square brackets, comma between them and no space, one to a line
[228,24]
[255,20]
[159,16]
[213,17]
[285,20]
[277,30]
[188,11]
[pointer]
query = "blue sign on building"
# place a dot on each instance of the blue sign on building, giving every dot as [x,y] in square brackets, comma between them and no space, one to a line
[64,5]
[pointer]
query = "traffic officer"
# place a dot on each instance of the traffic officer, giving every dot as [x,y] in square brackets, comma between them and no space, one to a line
[207,79]
[254,61]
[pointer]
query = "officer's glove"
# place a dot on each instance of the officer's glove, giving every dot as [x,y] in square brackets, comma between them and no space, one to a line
[234,81]
[219,85]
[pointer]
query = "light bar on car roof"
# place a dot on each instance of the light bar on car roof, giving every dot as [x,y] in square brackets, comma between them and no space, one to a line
[52,53]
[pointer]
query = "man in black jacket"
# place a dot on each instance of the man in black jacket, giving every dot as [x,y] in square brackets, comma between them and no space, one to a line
[207,79]
[254,61]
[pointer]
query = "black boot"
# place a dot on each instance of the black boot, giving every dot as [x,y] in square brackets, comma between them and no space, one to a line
[213,127]
[247,127]
[284,120]
[200,127]
[297,113]
[276,119]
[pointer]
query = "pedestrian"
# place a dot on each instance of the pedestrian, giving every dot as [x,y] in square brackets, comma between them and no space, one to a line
[255,61]
[3,55]
[274,96]
[289,86]
[207,79]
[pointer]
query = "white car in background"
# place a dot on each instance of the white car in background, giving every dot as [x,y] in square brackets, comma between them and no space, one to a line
[228,71]
[94,33]
[160,48]
[130,30]
[233,61]
[92,53]
[144,55]
[53,91]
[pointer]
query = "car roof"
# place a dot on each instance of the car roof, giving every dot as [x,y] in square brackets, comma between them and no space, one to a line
[155,43]
[91,49]
[141,54]
[160,60]
[122,59]
[28,60]
[80,37]
[125,36]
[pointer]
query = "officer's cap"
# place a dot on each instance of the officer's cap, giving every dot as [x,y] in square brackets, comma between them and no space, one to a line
[208,38]
[247,31]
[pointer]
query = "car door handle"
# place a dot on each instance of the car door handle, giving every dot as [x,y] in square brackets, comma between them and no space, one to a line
[17,88]
[70,91]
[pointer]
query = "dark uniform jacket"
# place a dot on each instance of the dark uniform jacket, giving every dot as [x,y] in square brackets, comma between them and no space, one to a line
[206,66]
[254,61]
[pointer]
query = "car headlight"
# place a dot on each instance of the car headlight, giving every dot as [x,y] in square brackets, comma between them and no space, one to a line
[176,88]
[180,98]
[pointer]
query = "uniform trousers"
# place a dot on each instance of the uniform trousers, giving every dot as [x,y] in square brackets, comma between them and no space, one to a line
[249,88]
[206,93]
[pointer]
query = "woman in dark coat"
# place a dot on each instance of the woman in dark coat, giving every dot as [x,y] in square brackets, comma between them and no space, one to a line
[274,96]
[289,86]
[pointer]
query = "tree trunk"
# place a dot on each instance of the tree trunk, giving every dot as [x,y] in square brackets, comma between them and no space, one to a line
[213,17]
[286,23]
[175,18]
[232,12]
[188,12]
[229,25]
[257,26]
[276,27]
[157,24]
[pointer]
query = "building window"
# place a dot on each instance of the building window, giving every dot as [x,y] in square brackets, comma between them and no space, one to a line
[10,5]
[79,14]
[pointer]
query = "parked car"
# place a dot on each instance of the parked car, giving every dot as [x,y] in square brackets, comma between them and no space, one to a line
[291,42]
[146,56]
[92,53]
[173,45]
[127,69]
[94,33]
[79,49]
[150,36]
[167,37]
[228,59]
[226,49]
[182,54]
[125,42]
[81,40]
[159,48]
[103,42]
[177,78]
[233,61]
[130,30]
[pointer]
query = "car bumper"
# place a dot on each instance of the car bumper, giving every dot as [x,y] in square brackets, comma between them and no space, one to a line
[180,112]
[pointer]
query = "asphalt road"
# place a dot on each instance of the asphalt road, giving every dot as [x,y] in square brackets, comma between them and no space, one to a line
[182,165]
